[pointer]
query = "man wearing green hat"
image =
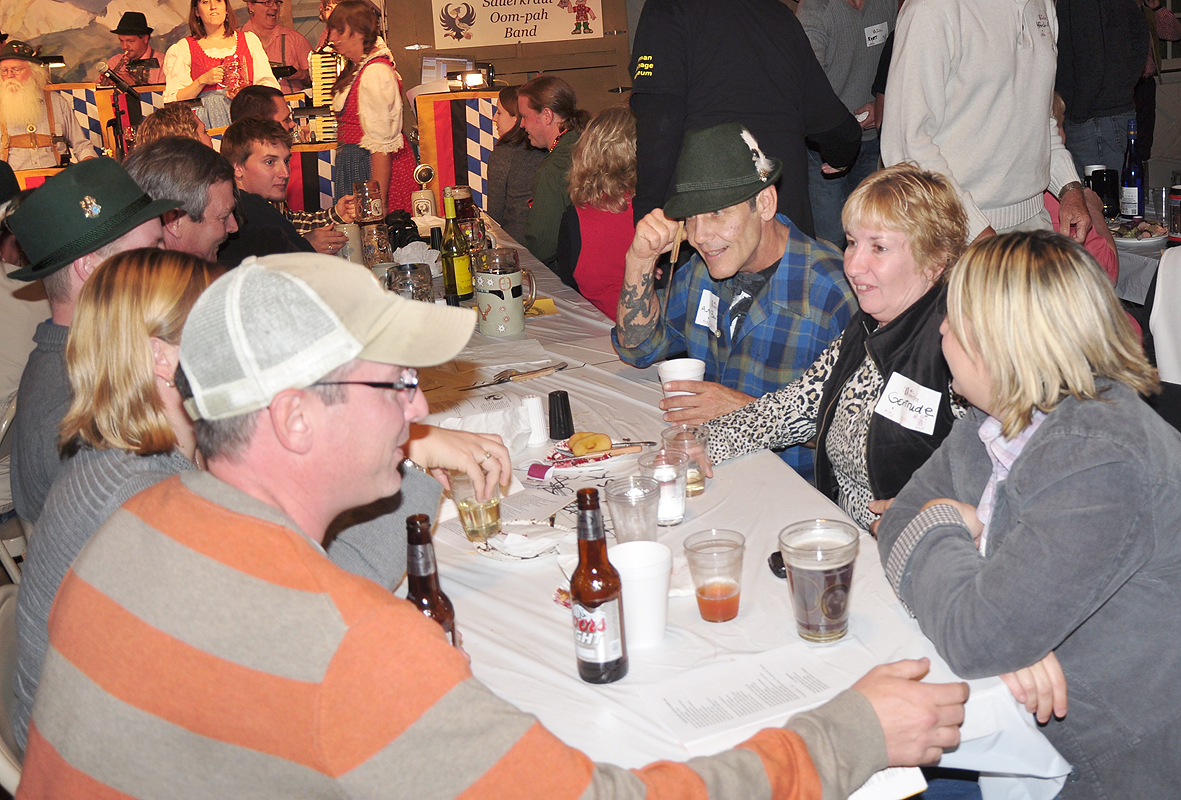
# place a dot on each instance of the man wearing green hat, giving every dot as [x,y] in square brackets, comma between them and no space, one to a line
[35,126]
[759,301]
[69,226]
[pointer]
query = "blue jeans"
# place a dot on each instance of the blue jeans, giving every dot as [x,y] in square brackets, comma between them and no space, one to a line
[949,784]
[828,193]
[1102,140]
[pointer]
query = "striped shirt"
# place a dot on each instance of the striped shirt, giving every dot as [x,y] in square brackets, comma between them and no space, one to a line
[202,647]
[806,305]
[307,221]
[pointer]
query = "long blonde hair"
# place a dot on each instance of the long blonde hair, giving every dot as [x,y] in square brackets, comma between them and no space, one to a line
[130,298]
[603,166]
[1046,323]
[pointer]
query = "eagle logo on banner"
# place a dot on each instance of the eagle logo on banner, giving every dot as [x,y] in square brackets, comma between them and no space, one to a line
[457,20]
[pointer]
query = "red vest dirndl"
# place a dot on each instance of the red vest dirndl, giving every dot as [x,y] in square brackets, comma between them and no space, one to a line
[348,123]
[201,62]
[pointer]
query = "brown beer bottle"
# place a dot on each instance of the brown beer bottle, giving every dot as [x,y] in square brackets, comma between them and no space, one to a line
[422,576]
[596,600]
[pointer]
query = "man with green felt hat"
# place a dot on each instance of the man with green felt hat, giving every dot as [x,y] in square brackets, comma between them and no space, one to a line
[758,302]
[66,228]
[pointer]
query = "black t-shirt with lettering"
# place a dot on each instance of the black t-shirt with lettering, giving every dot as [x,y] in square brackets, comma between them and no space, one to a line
[699,63]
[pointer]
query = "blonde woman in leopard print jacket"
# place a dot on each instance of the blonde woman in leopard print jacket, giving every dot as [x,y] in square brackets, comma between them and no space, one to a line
[878,401]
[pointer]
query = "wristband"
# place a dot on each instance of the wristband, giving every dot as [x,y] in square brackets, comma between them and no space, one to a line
[1072,185]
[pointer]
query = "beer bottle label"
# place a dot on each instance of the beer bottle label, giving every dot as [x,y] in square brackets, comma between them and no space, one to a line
[598,636]
[420,560]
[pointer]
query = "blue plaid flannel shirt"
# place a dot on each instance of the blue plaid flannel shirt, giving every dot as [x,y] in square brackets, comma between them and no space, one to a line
[805,306]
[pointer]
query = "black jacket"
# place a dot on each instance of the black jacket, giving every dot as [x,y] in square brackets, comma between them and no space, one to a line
[910,345]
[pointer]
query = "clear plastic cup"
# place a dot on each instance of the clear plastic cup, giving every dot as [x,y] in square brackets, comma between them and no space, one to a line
[669,469]
[715,562]
[633,503]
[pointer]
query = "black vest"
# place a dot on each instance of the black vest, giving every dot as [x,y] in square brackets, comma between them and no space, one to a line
[910,345]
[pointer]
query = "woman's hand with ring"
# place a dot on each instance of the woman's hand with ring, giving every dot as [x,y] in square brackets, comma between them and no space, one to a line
[482,456]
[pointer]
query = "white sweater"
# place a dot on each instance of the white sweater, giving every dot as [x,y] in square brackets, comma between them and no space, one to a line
[969,96]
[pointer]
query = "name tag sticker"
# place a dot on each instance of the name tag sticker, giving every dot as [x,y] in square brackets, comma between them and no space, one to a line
[707,311]
[877,34]
[910,404]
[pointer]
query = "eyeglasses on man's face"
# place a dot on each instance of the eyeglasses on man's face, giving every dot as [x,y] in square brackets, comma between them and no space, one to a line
[408,384]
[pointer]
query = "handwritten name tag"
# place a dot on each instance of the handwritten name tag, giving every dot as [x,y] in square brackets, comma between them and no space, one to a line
[910,404]
[707,311]
[877,34]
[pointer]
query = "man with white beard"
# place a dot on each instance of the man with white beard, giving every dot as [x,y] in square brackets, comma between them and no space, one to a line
[35,133]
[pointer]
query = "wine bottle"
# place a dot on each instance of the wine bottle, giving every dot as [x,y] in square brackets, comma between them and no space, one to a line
[457,263]
[1132,179]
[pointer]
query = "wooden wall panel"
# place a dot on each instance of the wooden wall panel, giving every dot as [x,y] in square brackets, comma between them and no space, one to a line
[593,67]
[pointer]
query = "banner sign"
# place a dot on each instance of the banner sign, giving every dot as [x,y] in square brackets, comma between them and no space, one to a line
[481,23]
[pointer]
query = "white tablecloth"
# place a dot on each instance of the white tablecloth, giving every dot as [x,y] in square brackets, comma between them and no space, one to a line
[521,641]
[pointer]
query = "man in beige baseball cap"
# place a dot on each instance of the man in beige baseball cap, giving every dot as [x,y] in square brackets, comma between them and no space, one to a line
[299,373]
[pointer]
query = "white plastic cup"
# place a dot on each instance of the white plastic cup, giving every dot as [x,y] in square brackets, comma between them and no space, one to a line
[680,369]
[644,572]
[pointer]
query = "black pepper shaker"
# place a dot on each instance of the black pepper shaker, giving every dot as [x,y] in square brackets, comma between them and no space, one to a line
[561,420]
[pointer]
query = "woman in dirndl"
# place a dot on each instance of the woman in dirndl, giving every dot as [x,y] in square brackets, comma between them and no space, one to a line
[215,62]
[367,99]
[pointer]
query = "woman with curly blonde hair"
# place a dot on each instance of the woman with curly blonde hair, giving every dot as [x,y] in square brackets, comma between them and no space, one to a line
[598,228]
[878,400]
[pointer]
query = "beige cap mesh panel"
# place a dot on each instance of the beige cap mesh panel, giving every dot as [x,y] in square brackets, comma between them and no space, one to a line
[285,321]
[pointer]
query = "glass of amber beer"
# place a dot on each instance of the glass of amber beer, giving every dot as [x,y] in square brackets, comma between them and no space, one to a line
[819,556]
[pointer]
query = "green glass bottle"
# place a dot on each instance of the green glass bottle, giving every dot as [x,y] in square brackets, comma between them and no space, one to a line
[457,263]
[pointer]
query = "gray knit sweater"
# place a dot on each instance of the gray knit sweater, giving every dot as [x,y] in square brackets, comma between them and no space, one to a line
[42,402]
[94,483]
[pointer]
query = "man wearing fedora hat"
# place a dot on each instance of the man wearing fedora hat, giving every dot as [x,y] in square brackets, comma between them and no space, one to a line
[66,228]
[134,35]
[36,126]
[758,302]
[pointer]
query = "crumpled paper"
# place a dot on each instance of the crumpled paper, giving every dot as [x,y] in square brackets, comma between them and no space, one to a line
[511,424]
[419,253]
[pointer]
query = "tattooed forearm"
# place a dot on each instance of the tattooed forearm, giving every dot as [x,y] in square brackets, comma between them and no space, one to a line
[638,313]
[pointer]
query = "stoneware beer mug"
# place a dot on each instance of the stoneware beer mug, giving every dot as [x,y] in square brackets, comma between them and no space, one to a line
[500,298]
[819,556]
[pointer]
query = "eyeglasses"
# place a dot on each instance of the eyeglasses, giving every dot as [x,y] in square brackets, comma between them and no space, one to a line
[275,3]
[408,384]
[14,71]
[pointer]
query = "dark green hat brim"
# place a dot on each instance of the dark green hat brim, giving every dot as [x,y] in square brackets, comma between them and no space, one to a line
[127,220]
[691,202]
